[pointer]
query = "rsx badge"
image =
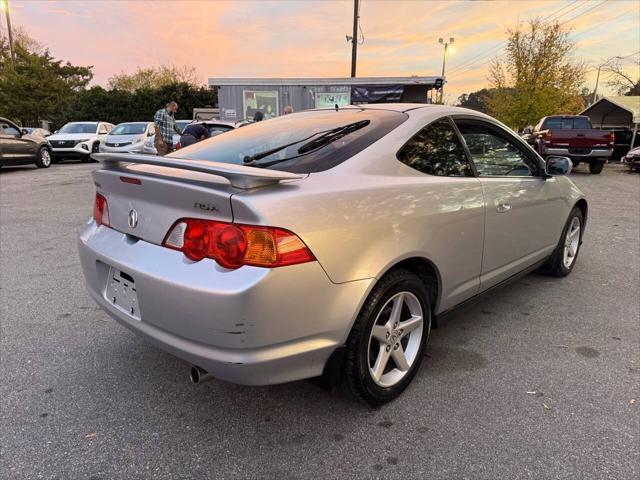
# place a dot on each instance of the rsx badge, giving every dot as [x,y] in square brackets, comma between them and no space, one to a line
[207,207]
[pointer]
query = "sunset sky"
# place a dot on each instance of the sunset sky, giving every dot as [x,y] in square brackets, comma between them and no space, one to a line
[307,38]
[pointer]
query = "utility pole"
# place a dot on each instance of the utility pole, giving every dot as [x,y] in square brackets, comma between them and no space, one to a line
[5,5]
[595,90]
[354,38]
[444,62]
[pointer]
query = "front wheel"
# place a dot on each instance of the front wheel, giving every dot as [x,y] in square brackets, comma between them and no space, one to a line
[596,166]
[43,160]
[566,253]
[386,345]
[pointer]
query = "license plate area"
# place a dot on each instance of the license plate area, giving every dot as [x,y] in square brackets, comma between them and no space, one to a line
[121,292]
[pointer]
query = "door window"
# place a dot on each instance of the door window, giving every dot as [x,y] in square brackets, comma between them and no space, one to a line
[9,130]
[494,152]
[436,150]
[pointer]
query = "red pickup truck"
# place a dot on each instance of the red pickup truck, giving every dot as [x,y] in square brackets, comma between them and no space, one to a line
[572,136]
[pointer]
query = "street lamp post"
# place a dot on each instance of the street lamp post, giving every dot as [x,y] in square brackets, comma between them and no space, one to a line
[444,62]
[5,7]
[595,90]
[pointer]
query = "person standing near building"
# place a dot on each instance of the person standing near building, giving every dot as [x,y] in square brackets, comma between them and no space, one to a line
[165,124]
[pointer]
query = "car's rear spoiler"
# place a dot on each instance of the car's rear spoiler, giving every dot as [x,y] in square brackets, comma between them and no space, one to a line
[239,176]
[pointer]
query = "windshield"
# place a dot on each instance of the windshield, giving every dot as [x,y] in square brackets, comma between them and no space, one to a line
[79,128]
[129,129]
[287,135]
[567,123]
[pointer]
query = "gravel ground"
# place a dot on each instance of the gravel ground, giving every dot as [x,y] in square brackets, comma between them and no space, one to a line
[83,398]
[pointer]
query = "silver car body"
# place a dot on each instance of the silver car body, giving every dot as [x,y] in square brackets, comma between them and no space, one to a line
[127,143]
[360,219]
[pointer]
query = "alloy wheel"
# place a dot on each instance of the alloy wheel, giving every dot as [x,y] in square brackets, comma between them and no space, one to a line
[394,341]
[45,157]
[571,243]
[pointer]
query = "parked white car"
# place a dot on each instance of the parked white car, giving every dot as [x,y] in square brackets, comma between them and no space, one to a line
[127,137]
[78,140]
[150,147]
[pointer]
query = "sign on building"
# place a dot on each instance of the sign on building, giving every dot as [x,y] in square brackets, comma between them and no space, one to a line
[265,101]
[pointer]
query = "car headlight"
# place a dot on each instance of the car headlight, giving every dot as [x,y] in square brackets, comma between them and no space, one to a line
[148,143]
[83,140]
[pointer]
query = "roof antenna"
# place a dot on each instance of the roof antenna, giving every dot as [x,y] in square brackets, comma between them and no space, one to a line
[336,107]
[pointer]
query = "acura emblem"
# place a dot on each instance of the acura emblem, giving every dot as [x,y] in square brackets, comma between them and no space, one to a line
[133,218]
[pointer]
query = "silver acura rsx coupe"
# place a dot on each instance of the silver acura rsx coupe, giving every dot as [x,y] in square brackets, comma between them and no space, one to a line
[325,243]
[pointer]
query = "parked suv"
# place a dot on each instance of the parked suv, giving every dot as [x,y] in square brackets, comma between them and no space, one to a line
[18,147]
[572,136]
[79,139]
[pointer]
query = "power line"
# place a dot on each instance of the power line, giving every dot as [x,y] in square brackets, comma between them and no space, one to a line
[606,21]
[489,52]
[477,62]
[574,6]
[583,12]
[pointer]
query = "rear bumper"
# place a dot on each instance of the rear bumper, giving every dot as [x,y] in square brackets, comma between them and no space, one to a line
[594,153]
[251,326]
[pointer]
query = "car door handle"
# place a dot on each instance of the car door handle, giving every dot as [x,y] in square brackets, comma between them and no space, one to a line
[503,207]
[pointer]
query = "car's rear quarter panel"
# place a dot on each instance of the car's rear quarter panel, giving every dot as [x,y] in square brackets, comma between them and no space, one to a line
[359,227]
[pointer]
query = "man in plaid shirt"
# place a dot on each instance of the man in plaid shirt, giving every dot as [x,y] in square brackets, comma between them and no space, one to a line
[165,125]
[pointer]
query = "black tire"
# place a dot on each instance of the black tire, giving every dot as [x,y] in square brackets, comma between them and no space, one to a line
[575,162]
[95,148]
[555,266]
[357,355]
[43,160]
[596,166]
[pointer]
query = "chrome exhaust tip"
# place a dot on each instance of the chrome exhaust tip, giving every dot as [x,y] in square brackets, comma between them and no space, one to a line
[199,375]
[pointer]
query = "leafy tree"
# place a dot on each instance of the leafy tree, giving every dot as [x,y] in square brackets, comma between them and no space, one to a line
[32,87]
[621,81]
[476,100]
[537,76]
[118,106]
[154,78]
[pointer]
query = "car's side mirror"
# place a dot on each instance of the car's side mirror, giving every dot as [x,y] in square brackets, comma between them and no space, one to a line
[24,131]
[558,166]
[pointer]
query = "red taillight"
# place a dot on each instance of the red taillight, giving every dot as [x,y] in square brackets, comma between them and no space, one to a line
[101,210]
[233,245]
[612,139]
[548,137]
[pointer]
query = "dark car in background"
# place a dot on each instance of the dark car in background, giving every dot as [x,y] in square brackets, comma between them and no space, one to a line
[19,147]
[632,159]
[572,136]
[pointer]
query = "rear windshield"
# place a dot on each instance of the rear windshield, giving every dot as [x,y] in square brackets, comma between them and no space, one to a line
[313,141]
[559,123]
[79,128]
[129,129]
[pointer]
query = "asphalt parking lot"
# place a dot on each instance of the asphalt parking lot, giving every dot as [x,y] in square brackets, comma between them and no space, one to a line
[539,380]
